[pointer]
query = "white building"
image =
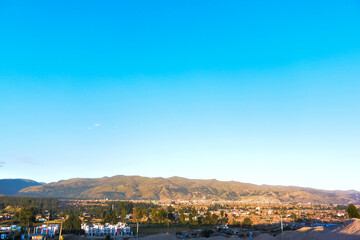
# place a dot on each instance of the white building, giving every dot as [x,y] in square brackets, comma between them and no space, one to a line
[119,229]
[50,230]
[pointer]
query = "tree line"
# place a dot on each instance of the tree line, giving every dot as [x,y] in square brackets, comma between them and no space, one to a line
[115,211]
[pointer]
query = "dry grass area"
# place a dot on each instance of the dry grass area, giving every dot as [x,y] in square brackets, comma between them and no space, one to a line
[348,231]
[173,237]
[265,237]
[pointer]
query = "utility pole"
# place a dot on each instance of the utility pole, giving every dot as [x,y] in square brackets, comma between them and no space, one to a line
[60,237]
[137,229]
[281,222]
[27,230]
[47,223]
[282,228]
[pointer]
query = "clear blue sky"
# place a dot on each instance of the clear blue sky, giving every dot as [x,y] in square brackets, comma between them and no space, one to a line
[266,92]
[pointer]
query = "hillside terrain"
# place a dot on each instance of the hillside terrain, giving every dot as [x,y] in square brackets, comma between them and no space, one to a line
[177,188]
[350,230]
[10,187]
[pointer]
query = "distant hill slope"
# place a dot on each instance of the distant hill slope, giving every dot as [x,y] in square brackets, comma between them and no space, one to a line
[177,188]
[10,187]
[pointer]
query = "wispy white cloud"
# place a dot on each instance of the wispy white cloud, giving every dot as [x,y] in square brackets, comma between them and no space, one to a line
[2,163]
[95,125]
[25,160]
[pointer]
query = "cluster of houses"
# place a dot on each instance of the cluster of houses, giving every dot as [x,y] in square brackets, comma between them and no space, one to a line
[6,216]
[264,213]
[120,229]
[50,230]
[6,231]
[39,232]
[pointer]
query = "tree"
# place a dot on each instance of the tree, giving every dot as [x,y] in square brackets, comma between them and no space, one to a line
[191,220]
[194,212]
[170,216]
[144,213]
[27,215]
[208,217]
[353,211]
[123,214]
[182,216]
[247,222]
[170,209]
[153,216]
[193,216]
[214,219]
[137,214]
[110,217]
[161,215]
[222,213]
[72,223]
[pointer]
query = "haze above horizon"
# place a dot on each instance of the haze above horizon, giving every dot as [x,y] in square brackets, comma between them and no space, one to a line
[260,92]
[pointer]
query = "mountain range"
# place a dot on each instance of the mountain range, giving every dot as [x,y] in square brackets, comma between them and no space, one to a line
[177,188]
[11,187]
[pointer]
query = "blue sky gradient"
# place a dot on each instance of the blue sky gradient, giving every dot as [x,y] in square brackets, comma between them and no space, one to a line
[254,91]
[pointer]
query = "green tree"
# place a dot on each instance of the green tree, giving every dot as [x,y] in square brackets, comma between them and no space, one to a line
[170,216]
[193,216]
[214,219]
[208,217]
[153,216]
[110,217]
[123,214]
[182,216]
[27,215]
[170,209]
[72,223]
[144,213]
[353,211]
[161,215]
[247,222]
[222,213]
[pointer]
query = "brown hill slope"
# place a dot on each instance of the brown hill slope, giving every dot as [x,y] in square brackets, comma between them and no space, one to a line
[348,231]
[136,187]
